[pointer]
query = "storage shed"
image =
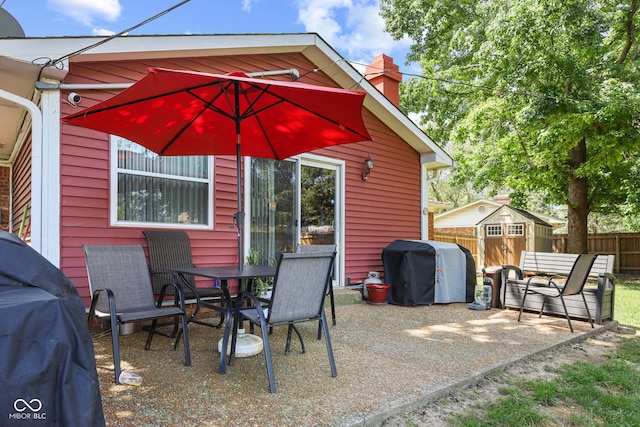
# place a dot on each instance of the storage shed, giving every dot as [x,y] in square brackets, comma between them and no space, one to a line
[506,232]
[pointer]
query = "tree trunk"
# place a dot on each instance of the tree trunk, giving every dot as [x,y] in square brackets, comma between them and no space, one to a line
[578,202]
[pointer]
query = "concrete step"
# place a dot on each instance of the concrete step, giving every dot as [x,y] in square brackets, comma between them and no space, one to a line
[343,296]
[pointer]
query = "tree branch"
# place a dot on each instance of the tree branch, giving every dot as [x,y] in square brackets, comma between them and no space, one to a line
[630,32]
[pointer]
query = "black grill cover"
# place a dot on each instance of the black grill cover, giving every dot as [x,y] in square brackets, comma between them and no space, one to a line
[48,371]
[410,269]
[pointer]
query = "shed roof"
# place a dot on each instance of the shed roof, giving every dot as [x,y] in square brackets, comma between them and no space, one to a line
[527,215]
[456,216]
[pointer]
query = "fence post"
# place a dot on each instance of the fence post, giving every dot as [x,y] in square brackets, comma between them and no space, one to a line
[618,250]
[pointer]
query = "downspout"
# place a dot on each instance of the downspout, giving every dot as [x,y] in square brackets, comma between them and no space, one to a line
[294,73]
[426,177]
[424,202]
[36,167]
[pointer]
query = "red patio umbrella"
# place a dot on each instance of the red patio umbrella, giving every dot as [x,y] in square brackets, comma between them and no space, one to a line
[177,113]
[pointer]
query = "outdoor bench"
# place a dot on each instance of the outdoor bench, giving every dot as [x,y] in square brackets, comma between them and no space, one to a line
[599,295]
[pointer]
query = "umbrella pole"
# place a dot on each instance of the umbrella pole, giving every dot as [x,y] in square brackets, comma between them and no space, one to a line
[246,344]
[239,213]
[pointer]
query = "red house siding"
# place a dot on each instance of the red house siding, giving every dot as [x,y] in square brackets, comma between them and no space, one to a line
[5,188]
[384,208]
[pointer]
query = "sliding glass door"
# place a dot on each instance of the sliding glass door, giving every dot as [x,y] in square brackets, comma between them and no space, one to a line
[273,209]
[317,205]
[295,202]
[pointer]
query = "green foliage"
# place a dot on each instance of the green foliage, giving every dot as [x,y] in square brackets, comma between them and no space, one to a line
[259,286]
[443,190]
[531,95]
[318,199]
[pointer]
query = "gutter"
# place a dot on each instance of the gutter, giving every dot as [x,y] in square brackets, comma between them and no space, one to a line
[292,72]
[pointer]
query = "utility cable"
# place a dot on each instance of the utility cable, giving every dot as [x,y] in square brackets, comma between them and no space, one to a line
[51,63]
[493,89]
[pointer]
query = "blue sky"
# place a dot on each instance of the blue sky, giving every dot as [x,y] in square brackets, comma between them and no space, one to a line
[352,27]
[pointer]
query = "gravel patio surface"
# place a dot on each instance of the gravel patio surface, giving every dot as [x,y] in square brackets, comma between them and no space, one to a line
[391,360]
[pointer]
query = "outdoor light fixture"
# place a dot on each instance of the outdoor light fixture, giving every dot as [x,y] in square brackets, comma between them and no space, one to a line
[368,165]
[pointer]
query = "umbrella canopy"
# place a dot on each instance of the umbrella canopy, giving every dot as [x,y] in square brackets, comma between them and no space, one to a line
[177,113]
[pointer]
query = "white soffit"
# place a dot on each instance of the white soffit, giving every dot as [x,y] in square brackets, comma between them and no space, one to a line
[310,45]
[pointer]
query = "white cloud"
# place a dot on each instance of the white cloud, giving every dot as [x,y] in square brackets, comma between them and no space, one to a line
[246,5]
[351,26]
[102,32]
[86,11]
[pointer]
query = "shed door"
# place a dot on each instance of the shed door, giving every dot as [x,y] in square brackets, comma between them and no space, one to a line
[503,243]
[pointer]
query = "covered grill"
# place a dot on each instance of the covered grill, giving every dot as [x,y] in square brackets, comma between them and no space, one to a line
[47,365]
[424,272]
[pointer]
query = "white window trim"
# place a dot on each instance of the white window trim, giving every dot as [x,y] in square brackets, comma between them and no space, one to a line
[113,195]
[512,227]
[493,227]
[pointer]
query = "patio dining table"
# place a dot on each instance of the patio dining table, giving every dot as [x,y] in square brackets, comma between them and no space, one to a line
[223,274]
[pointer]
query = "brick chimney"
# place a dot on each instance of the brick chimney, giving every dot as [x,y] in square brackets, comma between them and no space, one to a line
[385,76]
[502,198]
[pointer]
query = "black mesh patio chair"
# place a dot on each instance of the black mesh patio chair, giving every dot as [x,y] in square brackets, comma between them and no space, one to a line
[573,285]
[299,290]
[121,290]
[172,249]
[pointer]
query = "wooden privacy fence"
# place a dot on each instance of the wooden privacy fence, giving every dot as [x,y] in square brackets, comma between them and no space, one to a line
[625,247]
[469,242]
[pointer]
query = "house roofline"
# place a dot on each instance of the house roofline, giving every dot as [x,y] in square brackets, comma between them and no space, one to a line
[310,45]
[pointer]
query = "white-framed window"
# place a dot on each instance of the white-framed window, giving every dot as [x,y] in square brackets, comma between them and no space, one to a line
[515,230]
[494,230]
[152,190]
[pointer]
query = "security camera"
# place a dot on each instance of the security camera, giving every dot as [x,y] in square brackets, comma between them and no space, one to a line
[74,98]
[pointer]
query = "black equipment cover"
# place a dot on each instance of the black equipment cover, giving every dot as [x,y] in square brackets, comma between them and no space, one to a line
[410,269]
[48,371]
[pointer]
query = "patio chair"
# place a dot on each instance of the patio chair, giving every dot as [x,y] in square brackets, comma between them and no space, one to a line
[121,290]
[299,290]
[322,248]
[573,285]
[172,249]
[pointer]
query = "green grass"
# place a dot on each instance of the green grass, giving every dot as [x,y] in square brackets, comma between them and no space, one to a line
[627,303]
[584,394]
[596,395]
